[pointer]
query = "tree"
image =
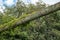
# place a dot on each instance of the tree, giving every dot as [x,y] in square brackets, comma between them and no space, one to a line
[43,12]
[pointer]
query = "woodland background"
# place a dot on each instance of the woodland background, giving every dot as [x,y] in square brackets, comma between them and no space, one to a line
[43,28]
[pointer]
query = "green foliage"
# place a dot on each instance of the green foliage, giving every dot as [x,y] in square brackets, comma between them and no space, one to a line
[6,19]
[43,28]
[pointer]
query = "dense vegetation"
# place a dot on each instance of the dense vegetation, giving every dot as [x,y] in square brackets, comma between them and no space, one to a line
[43,28]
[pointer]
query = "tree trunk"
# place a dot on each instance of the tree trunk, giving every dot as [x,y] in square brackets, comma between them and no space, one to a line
[43,12]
